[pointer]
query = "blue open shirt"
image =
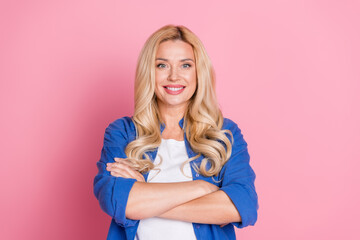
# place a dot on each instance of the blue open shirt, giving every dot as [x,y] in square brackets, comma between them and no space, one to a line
[237,182]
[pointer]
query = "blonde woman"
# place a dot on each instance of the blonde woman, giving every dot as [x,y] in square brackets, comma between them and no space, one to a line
[176,169]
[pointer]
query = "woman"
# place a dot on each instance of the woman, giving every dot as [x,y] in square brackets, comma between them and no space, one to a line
[177,169]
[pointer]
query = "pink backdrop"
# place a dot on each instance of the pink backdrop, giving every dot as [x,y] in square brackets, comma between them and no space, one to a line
[287,73]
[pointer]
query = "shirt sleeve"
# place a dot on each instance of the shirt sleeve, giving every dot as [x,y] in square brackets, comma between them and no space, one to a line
[238,181]
[113,192]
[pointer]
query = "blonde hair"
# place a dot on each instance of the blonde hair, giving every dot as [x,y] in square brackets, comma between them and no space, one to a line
[203,119]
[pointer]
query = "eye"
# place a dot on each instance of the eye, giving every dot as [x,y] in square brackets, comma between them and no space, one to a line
[186,65]
[161,65]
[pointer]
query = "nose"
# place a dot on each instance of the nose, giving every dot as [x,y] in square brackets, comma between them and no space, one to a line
[173,74]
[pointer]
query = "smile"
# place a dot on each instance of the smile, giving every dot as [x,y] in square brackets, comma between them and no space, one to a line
[174,90]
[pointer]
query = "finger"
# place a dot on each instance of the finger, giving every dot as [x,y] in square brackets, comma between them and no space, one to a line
[140,177]
[119,173]
[114,169]
[124,164]
[118,159]
[133,173]
[109,166]
[124,170]
[123,160]
[115,174]
[114,165]
[120,165]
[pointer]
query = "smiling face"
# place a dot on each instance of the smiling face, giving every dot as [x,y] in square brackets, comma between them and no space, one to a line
[175,74]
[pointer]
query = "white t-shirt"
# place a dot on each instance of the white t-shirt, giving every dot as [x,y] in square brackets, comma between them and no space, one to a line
[173,154]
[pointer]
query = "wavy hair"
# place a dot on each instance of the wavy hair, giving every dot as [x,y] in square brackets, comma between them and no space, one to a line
[203,119]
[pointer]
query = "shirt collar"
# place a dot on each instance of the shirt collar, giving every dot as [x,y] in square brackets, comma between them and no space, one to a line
[181,124]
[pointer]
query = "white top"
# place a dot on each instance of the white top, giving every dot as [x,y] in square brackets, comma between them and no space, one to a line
[173,154]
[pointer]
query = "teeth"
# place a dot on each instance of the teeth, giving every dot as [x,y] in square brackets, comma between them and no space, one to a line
[174,89]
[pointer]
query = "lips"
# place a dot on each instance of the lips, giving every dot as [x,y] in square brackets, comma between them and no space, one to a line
[174,89]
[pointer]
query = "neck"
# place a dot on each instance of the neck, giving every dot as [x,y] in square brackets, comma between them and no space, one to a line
[171,115]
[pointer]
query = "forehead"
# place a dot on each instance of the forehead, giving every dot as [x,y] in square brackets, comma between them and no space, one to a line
[175,49]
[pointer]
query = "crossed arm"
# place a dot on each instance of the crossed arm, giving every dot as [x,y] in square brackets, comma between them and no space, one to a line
[194,201]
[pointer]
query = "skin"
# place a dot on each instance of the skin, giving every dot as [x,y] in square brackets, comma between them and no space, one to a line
[194,201]
[175,65]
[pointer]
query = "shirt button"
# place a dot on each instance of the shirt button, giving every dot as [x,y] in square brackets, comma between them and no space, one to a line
[197,175]
[197,226]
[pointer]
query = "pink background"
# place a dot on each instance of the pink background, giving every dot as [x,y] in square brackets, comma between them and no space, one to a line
[287,73]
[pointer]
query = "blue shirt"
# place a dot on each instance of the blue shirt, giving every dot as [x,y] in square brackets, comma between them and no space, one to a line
[237,182]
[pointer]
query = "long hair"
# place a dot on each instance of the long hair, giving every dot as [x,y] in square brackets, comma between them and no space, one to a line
[203,119]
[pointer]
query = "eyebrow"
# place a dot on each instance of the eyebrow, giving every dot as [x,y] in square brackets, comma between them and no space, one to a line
[182,60]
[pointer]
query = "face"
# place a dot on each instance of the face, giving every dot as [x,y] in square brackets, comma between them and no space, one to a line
[175,74]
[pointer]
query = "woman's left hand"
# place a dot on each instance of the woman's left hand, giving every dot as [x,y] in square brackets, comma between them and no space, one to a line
[121,168]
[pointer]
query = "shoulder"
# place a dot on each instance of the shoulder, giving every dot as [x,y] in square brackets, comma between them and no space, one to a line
[119,130]
[237,135]
[230,125]
[123,123]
